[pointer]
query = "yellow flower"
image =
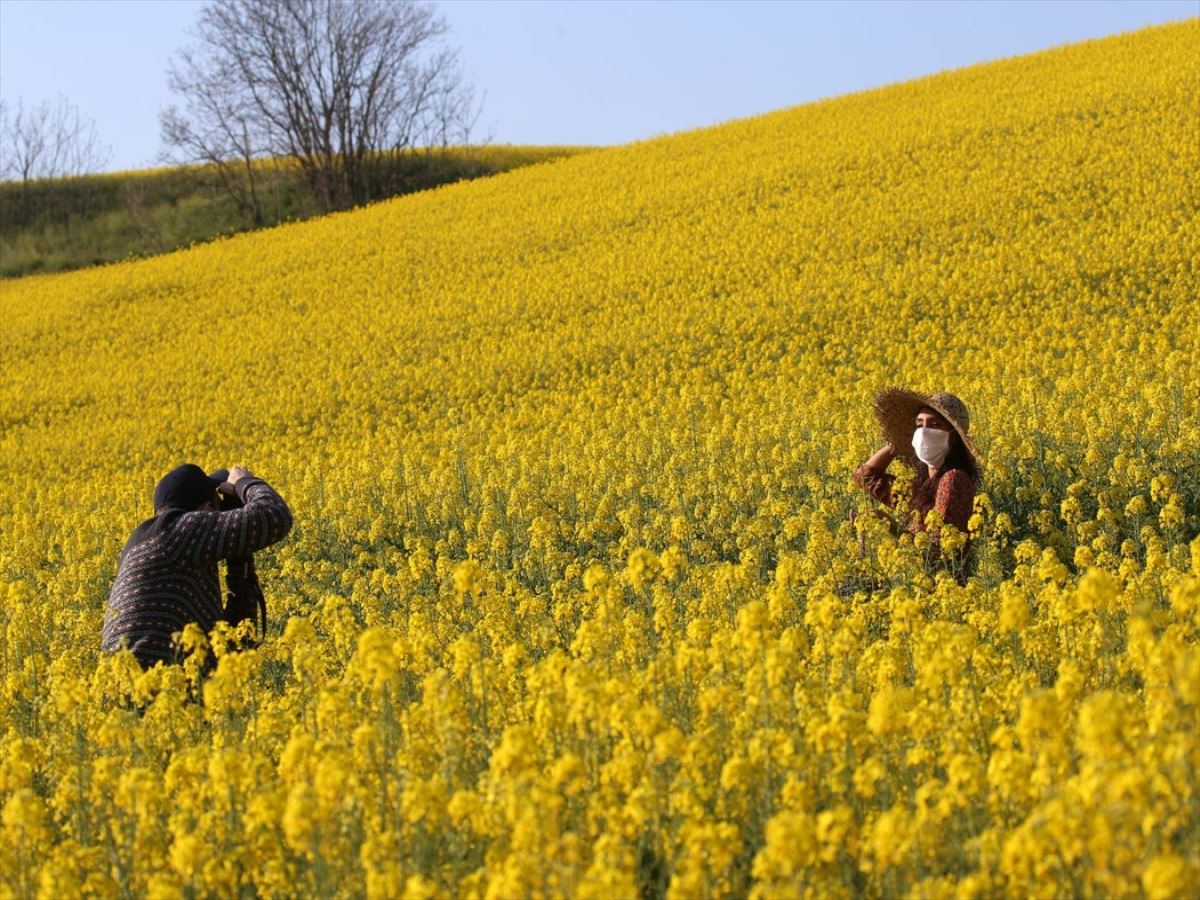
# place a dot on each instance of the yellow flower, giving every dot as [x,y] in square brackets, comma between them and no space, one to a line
[889,709]
[1168,876]
[574,605]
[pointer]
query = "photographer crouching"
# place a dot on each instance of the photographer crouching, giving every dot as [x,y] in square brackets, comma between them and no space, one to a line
[167,575]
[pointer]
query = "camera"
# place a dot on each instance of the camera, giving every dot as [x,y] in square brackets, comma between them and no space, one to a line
[227,497]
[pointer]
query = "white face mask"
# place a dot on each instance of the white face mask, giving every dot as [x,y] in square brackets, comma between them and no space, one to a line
[932,445]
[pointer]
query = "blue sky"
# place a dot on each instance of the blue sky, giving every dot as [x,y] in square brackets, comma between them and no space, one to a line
[577,72]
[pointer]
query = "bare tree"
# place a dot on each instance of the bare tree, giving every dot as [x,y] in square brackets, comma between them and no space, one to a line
[6,166]
[339,86]
[50,140]
[39,146]
[218,130]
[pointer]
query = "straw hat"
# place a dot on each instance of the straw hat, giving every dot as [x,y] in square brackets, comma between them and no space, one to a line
[896,409]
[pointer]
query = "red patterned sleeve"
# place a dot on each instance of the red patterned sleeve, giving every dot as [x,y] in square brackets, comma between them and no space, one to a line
[955,498]
[876,484]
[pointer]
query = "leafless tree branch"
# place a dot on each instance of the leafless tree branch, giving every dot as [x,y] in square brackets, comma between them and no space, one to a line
[50,140]
[335,85]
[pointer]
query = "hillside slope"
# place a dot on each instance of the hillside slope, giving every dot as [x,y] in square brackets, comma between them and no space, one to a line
[569,454]
[60,224]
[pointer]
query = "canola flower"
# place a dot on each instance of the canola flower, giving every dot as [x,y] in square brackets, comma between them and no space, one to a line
[572,605]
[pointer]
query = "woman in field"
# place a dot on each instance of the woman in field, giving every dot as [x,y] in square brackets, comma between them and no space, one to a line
[930,434]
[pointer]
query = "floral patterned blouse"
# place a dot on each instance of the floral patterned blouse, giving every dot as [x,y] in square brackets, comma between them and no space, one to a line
[954,498]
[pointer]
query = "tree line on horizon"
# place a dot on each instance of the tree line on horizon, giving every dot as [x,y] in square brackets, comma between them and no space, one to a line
[286,108]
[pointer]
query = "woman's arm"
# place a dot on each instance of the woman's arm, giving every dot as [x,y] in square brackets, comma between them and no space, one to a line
[881,458]
[873,477]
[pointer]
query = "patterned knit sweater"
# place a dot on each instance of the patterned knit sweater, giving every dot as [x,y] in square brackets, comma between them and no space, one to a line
[171,578]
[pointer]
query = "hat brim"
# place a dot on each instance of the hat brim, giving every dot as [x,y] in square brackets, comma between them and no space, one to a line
[896,410]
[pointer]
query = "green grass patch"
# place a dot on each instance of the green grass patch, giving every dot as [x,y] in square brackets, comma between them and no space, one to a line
[55,225]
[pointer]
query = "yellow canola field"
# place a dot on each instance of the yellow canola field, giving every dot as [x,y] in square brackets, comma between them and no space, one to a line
[572,605]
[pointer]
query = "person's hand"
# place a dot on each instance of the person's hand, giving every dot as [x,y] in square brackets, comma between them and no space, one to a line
[881,459]
[236,474]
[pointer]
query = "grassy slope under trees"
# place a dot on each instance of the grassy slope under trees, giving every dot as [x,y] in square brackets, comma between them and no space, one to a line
[56,225]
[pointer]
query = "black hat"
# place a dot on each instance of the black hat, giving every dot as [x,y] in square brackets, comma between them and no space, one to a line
[186,487]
